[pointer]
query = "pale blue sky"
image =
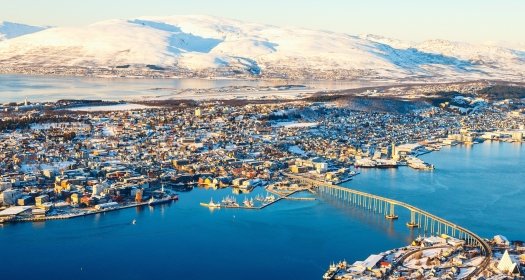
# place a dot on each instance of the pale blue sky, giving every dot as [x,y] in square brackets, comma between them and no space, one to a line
[464,20]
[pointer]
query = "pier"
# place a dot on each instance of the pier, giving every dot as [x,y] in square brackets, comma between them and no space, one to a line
[80,214]
[252,208]
[429,223]
[280,196]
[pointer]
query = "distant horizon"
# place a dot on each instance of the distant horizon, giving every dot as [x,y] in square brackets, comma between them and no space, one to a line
[485,22]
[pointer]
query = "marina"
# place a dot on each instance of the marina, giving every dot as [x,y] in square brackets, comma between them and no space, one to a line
[230,202]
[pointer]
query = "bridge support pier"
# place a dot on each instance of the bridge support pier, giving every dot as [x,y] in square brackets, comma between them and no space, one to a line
[391,214]
[412,223]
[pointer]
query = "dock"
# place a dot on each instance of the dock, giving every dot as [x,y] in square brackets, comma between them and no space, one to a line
[281,196]
[76,215]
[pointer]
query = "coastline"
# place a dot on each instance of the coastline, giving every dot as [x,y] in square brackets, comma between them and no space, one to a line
[77,215]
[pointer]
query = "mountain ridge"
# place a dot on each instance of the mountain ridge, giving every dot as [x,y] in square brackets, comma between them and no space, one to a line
[207,46]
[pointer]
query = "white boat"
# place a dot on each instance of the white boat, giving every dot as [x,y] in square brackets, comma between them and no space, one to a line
[417,163]
[248,202]
[386,163]
[365,163]
[152,201]
[230,201]
[422,166]
[211,204]
[269,198]
[330,273]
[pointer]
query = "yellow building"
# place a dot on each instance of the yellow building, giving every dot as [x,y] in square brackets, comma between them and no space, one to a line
[208,181]
[517,136]
[75,198]
[298,169]
[63,185]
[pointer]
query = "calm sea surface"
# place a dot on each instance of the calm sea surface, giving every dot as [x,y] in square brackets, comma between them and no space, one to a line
[45,88]
[480,187]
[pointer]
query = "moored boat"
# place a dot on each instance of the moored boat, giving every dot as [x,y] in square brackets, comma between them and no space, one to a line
[248,202]
[211,204]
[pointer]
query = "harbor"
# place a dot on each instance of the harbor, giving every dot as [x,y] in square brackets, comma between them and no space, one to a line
[243,231]
[94,211]
[277,193]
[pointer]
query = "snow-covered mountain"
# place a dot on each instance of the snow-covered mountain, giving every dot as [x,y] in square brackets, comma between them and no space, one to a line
[212,46]
[9,30]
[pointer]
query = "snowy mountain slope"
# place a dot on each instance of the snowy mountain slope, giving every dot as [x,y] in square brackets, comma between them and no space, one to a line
[208,46]
[9,30]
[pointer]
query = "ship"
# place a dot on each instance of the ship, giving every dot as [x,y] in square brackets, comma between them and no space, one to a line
[386,163]
[417,163]
[153,201]
[211,204]
[365,163]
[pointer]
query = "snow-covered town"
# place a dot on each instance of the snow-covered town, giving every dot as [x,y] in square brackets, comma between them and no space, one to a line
[72,158]
[58,160]
[436,257]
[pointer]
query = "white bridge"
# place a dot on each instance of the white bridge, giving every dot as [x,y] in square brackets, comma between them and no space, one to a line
[419,218]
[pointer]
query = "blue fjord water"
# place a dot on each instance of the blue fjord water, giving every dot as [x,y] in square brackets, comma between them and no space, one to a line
[479,187]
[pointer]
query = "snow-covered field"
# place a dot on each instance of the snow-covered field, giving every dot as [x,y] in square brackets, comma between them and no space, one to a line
[118,107]
[42,126]
[296,150]
[296,124]
[37,168]
[244,94]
